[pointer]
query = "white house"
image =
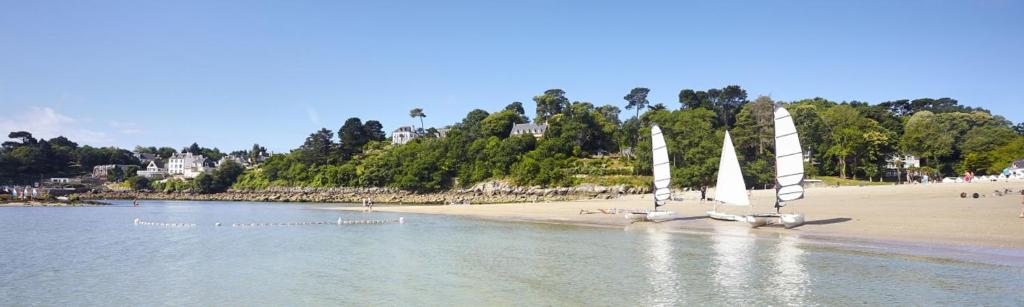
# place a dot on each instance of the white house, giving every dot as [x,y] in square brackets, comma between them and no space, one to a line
[187,165]
[403,135]
[896,163]
[536,130]
[153,170]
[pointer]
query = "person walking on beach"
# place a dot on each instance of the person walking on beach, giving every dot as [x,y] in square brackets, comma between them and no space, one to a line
[703,193]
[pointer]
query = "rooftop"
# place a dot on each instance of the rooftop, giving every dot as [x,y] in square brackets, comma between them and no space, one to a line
[528,129]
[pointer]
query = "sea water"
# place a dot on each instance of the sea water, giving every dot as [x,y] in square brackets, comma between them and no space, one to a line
[83,256]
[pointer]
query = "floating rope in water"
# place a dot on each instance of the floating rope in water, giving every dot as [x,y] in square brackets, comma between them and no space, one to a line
[400,220]
[138,221]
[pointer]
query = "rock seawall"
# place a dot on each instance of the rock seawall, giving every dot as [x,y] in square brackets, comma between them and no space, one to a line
[492,192]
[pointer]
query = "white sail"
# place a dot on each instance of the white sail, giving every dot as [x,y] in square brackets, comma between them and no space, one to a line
[730,188]
[662,175]
[789,158]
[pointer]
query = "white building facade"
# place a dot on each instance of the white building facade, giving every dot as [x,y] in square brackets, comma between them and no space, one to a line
[187,165]
[152,171]
[403,135]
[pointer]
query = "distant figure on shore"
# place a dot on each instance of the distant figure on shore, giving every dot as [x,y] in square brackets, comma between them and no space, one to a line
[367,205]
[703,193]
[135,203]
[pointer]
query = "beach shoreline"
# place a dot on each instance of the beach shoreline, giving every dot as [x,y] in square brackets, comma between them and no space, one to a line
[85,203]
[921,216]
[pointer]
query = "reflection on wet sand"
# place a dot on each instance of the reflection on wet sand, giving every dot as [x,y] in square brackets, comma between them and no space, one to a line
[664,283]
[789,278]
[732,262]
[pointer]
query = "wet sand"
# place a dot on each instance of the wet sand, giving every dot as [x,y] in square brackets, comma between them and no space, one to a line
[905,215]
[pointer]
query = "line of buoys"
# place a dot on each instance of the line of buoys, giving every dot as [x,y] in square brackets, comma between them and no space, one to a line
[138,221]
[400,220]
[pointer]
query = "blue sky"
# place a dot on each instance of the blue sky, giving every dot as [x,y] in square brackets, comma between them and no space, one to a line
[232,73]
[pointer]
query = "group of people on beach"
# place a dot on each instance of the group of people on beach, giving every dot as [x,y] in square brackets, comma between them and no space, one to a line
[968,176]
[26,192]
[367,204]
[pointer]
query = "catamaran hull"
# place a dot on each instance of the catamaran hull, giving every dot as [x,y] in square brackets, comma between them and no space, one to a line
[791,220]
[649,216]
[724,216]
[788,220]
[756,221]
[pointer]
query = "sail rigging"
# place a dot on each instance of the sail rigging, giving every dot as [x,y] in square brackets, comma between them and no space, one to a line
[730,188]
[789,158]
[662,170]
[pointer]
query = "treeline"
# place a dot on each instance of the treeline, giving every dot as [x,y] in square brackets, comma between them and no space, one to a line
[25,159]
[847,139]
[477,148]
[588,143]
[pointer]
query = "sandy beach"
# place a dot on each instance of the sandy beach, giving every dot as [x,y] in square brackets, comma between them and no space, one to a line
[918,214]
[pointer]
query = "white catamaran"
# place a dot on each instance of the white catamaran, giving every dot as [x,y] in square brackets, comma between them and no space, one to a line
[730,188]
[662,179]
[789,172]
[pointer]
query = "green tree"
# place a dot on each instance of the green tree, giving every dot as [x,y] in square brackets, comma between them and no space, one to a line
[318,147]
[166,152]
[352,137]
[499,124]
[417,112]
[517,108]
[755,128]
[926,137]
[637,99]
[115,174]
[204,183]
[984,139]
[1003,156]
[610,113]
[725,102]
[137,183]
[551,103]
[374,130]
[847,130]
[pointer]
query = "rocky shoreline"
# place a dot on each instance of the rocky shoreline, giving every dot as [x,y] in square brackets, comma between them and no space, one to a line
[494,192]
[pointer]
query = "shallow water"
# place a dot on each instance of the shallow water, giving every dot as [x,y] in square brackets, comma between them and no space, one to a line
[96,256]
